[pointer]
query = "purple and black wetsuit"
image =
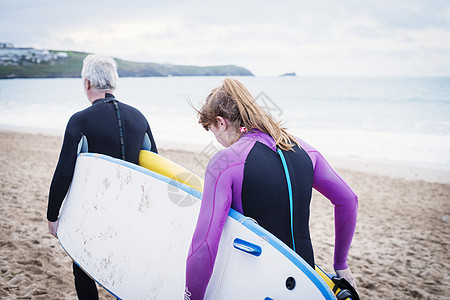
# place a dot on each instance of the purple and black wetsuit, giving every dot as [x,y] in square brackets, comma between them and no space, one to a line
[249,177]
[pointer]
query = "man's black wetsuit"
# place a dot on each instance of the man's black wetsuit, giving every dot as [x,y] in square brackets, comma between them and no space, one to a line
[100,125]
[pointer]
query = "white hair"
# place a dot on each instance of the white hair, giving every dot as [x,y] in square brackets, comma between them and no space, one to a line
[101,71]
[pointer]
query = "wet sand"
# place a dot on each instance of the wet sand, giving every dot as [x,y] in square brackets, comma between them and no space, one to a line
[400,249]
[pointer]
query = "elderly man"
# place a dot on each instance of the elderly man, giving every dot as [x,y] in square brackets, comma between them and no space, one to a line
[108,127]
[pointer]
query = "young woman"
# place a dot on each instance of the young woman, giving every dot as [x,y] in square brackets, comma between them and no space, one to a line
[249,176]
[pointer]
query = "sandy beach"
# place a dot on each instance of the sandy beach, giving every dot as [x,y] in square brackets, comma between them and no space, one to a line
[400,249]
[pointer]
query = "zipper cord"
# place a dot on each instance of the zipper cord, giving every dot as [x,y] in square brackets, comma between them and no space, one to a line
[291,201]
[121,129]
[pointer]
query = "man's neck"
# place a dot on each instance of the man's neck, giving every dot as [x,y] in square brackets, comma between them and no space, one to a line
[94,95]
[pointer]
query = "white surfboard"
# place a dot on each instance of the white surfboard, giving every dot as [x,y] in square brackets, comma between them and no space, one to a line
[130,229]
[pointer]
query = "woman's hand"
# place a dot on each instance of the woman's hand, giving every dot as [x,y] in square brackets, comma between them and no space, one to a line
[347,274]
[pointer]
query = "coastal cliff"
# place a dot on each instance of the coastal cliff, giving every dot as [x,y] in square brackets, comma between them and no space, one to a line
[33,63]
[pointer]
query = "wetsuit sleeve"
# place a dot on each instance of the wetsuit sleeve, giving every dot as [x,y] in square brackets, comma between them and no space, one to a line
[64,170]
[330,184]
[216,202]
[152,140]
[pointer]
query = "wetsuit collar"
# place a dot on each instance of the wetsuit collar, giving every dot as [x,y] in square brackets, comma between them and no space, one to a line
[108,96]
[259,136]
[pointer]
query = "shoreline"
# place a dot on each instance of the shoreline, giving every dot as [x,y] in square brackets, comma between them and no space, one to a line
[393,169]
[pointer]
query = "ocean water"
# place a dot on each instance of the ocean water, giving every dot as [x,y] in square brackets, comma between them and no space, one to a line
[399,120]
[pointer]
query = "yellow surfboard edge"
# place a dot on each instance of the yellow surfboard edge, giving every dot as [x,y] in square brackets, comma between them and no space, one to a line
[328,281]
[161,165]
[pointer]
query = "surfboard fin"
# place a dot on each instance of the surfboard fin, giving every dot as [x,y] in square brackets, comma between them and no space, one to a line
[146,143]
[83,145]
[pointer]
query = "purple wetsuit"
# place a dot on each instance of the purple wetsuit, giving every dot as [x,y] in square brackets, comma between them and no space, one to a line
[249,177]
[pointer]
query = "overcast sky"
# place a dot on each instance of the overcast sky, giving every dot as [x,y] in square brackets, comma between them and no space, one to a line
[311,38]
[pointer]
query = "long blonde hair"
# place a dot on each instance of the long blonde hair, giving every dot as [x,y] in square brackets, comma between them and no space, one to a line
[234,102]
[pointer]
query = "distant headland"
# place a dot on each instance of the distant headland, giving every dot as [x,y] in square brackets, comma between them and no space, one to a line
[289,74]
[34,63]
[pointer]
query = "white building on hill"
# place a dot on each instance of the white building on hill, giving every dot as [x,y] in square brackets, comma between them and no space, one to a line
[9,55]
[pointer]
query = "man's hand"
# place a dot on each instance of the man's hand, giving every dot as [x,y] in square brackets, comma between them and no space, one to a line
[53,227]
[347,274]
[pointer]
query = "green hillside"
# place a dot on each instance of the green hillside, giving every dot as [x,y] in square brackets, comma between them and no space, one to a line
[72,64]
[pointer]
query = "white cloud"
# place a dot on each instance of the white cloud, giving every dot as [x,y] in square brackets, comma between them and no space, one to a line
[320,38]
